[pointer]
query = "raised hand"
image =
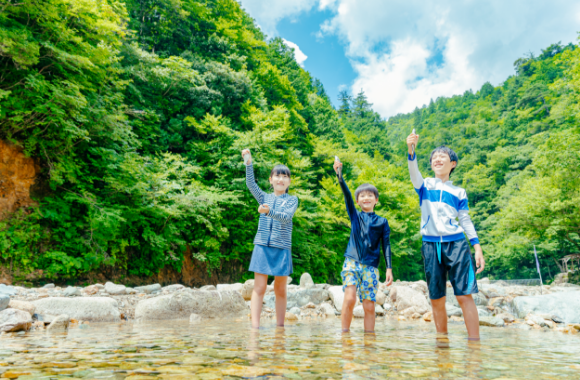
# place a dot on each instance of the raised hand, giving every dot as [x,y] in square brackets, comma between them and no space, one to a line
[412,140]
[264,209]
[244,152]
[337,165]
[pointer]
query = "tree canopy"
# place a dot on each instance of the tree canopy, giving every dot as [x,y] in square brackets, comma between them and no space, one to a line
[137,112]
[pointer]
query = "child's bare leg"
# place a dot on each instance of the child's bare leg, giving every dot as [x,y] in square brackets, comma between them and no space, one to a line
[348,307]
[280,286]
[369,308]
[260,284]
[470,315]
[440,315]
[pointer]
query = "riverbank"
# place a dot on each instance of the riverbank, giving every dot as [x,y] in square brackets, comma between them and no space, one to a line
[551,308]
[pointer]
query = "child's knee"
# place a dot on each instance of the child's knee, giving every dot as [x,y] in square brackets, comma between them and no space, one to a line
[260,289]
[280,289]
[349,301]
[464,300]
[369,307]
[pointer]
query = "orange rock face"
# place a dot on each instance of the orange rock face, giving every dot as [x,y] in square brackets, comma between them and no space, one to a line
[17,174]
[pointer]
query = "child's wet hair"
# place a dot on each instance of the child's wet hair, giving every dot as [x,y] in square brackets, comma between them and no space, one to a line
[449,151]
[364,188]
[280,169]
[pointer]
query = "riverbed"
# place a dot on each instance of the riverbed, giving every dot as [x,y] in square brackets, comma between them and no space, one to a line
[222,349]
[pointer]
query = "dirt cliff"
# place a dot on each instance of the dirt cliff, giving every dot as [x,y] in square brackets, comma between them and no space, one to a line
[17,174]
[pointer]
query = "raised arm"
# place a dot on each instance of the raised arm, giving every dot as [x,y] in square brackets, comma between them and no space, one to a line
[285,216]
[350,208]
[252,185]
[416,177]
[465,220]
[387,245]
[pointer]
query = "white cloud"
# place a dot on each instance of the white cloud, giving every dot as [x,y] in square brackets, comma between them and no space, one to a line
[267,13]
[392,44]
[298,54]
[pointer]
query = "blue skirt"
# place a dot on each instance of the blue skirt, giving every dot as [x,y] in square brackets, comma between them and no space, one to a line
[271,261]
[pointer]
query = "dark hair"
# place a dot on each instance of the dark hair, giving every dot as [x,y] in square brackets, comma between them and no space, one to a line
[366,187]
[450,152]
[281,169]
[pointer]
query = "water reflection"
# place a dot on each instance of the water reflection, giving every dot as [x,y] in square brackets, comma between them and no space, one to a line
[303,350]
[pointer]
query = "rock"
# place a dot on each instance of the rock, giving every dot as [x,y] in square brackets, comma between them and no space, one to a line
[247,290]
[233,287]
[93,309]
[497,302]
[455,318]
[131,290]
[484,280]
[295,310]
[428,317]
[336,296]
[7,290]
[358,312]
[115,290]
[59,323]
[452,310]
[71,291]
[404,298]
[381,298]
[4,301]
[194,318]
[48,286]
[379,310]
[148,289]
[90,290]
[100,286]
[478,298]
[550,324]
[306,281]
[309,305]
[291,316]
[564,305]
[524,326]
[300,298]
[175,288]
[12,320]
[327,309]
[22,305]
[536,319]
[483,312]
[506,317]
[180,305]
[387,306]
[491,321]
[208,288]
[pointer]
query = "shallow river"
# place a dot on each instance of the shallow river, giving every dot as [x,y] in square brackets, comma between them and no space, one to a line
[303,350]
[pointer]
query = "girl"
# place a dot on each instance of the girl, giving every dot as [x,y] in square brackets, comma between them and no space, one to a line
[272,254]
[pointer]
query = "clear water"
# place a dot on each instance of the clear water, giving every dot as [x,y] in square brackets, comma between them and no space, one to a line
[302,350]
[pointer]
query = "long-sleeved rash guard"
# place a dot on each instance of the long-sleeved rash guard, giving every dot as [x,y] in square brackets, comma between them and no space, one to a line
[368,231]
[441,203]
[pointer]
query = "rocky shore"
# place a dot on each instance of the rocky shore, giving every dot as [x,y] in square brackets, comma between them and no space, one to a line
[53,308]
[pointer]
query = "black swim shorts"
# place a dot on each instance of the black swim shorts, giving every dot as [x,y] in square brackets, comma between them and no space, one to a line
[453,258]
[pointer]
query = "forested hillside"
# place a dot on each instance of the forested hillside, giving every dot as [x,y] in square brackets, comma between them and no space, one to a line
[137,112]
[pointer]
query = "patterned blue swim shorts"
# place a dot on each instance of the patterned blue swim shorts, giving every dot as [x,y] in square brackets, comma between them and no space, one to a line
[364,277]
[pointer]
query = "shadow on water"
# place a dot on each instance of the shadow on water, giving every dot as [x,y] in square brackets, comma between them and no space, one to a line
[302,350]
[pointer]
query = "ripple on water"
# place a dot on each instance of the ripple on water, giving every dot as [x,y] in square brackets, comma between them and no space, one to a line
[303,350]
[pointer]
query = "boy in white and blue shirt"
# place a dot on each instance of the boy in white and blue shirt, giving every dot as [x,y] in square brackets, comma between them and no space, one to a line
[445,249]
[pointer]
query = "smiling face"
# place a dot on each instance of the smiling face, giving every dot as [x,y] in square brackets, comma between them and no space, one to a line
[280,182]
[441,164]
[367,201]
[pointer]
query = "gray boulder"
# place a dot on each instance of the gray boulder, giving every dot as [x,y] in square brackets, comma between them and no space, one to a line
[295,310]
[453,310]
[491,321]
[93,309]
[22,305]
[48,286]
[478,298]
[405,298]
[59,324]
[7,290]
[115,290]
[247,289]
[148,289]
[12,320]
[300,298]
[71,291]
[208,288]
[306,281]
[180,305]
[564,305]
[234,287]
[4,301]
[172,288]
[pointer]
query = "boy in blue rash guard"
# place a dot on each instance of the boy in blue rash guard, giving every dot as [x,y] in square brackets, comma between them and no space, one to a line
[445,250]
[360,273]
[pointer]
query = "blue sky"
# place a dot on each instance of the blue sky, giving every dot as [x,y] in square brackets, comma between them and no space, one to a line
[403,53]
